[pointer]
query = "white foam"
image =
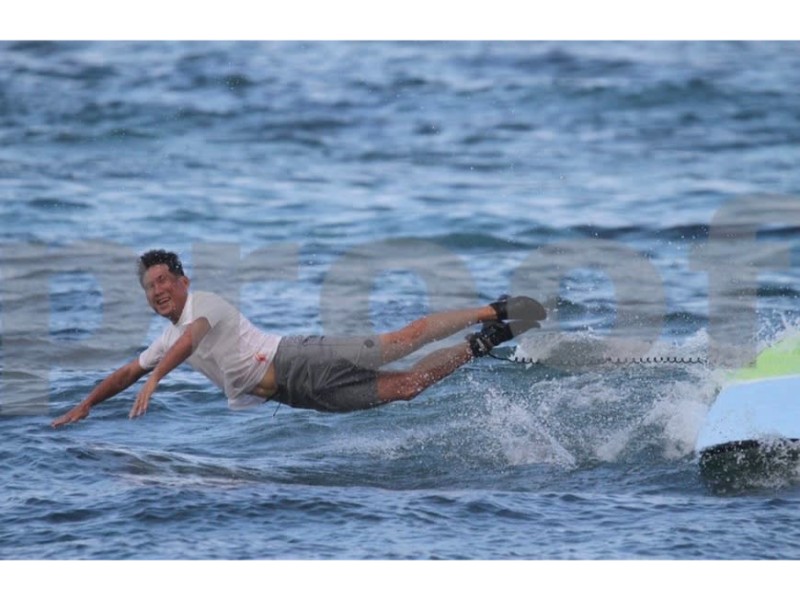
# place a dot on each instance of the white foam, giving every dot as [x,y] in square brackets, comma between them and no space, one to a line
[609,412]
[522,436]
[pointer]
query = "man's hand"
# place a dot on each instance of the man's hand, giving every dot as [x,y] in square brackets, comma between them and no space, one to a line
[143,398]
[76,414]
[178,352]
[119,380]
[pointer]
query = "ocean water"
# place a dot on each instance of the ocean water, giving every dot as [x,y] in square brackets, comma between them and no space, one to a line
[643,191]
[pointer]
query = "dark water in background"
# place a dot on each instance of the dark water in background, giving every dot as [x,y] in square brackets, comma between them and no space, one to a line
[463,160]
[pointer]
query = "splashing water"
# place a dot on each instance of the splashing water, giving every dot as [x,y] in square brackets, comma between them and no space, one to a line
[609,412]
[523,437]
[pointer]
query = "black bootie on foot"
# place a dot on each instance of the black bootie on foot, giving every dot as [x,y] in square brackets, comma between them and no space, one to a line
[518,308]
[495,333]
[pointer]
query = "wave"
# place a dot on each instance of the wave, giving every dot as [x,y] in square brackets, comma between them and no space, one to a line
[52,204]
[610,410]
[166,468]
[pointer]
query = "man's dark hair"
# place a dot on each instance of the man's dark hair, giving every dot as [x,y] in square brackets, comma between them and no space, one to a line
[160,257]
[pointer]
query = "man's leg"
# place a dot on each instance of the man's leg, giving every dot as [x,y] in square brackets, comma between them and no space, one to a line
[398,344]
[405,385]
[523,313]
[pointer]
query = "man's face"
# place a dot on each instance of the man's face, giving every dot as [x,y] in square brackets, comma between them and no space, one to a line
[166,293]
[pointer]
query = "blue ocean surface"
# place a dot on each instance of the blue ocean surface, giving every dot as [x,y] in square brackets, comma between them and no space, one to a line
[330,188]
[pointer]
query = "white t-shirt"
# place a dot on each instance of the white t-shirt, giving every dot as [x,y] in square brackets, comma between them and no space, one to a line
[234,354]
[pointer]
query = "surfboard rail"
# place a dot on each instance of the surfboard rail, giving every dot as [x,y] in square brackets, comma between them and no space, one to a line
[751,434]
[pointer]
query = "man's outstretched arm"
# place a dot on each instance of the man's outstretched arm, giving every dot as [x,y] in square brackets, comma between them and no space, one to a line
[119,380]
[179,352]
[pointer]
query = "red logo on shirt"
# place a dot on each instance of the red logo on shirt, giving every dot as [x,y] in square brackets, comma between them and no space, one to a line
[262,358]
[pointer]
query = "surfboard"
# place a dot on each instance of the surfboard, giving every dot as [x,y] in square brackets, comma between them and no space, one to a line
[751,434]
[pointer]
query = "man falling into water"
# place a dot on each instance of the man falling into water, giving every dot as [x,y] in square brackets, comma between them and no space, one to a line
[331,374]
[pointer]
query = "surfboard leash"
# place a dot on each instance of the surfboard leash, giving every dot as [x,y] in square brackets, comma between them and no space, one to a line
[619,361]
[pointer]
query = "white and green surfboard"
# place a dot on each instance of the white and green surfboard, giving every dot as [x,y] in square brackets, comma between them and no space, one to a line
[753,427]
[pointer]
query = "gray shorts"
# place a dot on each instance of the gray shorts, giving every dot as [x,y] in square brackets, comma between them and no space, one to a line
[330,374]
